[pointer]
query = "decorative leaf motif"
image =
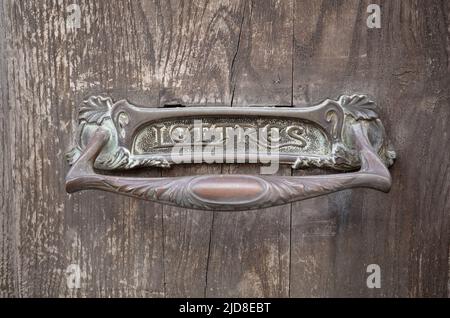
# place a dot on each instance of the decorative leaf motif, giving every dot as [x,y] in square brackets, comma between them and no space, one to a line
[95,109]
[122,159]
[310,162]
[359,107]
[72,155]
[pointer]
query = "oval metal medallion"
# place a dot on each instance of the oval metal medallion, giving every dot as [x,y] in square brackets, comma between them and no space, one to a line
[228,189]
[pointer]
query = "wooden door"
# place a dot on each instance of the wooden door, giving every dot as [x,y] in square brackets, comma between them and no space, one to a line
[235,53]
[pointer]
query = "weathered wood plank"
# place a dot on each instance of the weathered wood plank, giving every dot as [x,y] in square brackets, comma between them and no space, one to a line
[116,242]
[196,43]
[319,48]
[404,65]
[7,242]
[250,250]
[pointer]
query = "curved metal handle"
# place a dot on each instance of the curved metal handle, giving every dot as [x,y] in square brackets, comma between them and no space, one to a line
[228,192]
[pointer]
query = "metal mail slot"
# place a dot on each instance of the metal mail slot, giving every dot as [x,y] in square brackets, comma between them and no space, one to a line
[333,135]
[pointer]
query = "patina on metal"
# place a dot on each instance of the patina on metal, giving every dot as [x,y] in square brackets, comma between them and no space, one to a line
[345,135]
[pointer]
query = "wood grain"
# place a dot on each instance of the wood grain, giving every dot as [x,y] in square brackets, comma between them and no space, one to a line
[250,250]
[235,53]
[196,42]
[116,242]
[405,66]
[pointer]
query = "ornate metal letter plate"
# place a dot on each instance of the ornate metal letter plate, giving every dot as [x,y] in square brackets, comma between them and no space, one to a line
[344,135]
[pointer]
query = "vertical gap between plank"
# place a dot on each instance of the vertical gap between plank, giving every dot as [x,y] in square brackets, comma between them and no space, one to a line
[292,172]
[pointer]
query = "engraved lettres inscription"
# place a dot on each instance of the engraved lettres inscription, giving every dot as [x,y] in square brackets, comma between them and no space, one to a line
[247,135]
